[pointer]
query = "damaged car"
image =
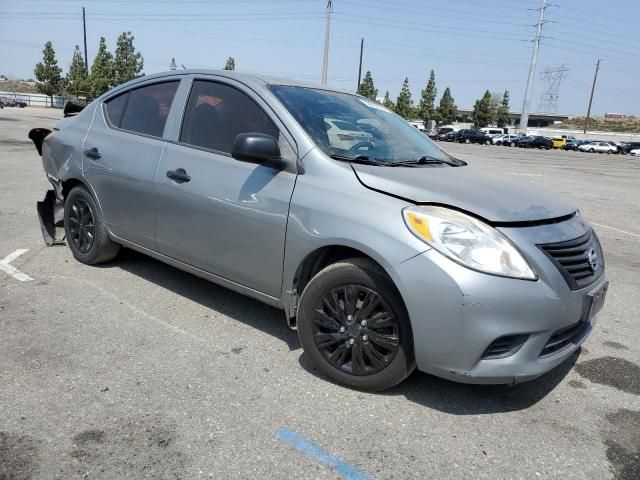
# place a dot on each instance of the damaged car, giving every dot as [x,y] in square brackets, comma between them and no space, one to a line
[386,254]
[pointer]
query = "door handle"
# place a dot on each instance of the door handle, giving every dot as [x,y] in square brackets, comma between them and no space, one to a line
[179,175]
[93,153]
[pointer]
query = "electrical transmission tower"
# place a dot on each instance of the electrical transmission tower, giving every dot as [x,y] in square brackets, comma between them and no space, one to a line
[552,78]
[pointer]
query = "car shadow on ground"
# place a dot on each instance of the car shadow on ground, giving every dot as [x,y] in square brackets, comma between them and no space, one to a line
[251,312]
[465,399]
[427,390]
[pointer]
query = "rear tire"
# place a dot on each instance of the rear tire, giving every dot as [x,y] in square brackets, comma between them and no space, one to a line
[513,144]
[591,150]
[354,327]
[85,231]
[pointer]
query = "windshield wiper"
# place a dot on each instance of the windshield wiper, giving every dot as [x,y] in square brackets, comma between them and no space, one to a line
[427,160]
[362,159]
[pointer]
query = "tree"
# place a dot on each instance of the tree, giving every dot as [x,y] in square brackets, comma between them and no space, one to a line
[76,80]
[387,102]
[426,108]
[367,88]
[482,111]
[447,111]
[172,65]
[502,118]
[127,63]
[231,64]
[48,73]
[101,78]
[404,102]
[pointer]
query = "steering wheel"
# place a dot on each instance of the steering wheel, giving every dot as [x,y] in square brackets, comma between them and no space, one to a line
[360,145]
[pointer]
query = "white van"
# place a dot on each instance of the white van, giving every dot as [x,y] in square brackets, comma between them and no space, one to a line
[493,130]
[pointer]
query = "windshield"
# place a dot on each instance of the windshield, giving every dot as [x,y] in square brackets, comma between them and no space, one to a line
[349,126]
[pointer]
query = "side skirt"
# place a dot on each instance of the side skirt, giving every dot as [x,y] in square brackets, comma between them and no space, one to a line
[223,282]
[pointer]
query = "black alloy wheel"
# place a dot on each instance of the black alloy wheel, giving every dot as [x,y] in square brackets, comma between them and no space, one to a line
[81,225]
[355,330]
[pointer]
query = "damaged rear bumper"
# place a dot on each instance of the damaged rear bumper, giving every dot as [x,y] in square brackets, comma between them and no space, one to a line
[51,214]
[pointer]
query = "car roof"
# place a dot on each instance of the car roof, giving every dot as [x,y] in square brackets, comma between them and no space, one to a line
[250,79]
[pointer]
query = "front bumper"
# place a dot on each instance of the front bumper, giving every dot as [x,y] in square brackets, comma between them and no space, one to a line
[457,313]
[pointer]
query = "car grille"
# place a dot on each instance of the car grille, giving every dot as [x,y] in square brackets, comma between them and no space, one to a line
[504,346]
[566,336]
[580,260]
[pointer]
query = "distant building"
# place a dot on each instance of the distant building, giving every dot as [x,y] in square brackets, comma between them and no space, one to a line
[619,116]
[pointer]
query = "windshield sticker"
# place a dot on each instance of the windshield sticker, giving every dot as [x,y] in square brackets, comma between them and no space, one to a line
[375,105]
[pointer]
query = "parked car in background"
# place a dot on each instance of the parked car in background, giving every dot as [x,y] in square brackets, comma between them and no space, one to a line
[469,135]
[386,257]
[448,137]
[559,142]
[626,147]
[515,142]
[536,141]
[504,139]
[574,144]
[600,147]
[345,135]
[440,132]
[635,153]
[12,102]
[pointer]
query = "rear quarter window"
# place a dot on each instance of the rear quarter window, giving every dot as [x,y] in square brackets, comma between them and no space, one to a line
[115,108]
[147,108]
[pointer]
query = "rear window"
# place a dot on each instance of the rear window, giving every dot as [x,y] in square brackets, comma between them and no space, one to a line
[148,107]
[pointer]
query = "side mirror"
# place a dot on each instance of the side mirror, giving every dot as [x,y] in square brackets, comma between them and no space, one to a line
[256,148]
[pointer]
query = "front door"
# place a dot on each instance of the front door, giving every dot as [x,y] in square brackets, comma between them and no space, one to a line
[219,214]
[121,155]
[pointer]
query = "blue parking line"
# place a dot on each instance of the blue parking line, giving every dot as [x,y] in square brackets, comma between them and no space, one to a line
[311,450]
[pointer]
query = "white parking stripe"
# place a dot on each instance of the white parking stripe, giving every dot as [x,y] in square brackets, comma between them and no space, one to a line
[10,269]
[615,229]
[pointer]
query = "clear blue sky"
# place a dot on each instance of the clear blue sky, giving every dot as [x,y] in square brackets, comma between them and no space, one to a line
[472,45]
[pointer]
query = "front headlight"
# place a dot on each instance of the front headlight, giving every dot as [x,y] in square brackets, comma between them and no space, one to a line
[467,240]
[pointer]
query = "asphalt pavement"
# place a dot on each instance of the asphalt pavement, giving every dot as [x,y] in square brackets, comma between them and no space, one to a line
[135,369]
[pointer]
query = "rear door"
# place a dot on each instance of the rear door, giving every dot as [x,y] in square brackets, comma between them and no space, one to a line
[121,155]
[229,218]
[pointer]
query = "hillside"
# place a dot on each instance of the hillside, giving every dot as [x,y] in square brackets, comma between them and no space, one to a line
[17,86]
[602,124]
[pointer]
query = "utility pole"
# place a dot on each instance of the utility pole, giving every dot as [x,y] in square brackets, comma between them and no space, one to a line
[593,89]
[524,115]
[325,61]
[360,67]
[84,29]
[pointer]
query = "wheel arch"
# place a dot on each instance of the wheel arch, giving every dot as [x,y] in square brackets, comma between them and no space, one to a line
[317,260]
[70,183]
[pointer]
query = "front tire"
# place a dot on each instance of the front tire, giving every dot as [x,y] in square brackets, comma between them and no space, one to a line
[354,327]
[85,231]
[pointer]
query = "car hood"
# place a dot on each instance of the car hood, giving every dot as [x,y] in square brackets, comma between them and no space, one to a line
[496,198]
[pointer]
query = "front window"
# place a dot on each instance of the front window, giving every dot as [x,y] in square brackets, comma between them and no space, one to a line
[349,126]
